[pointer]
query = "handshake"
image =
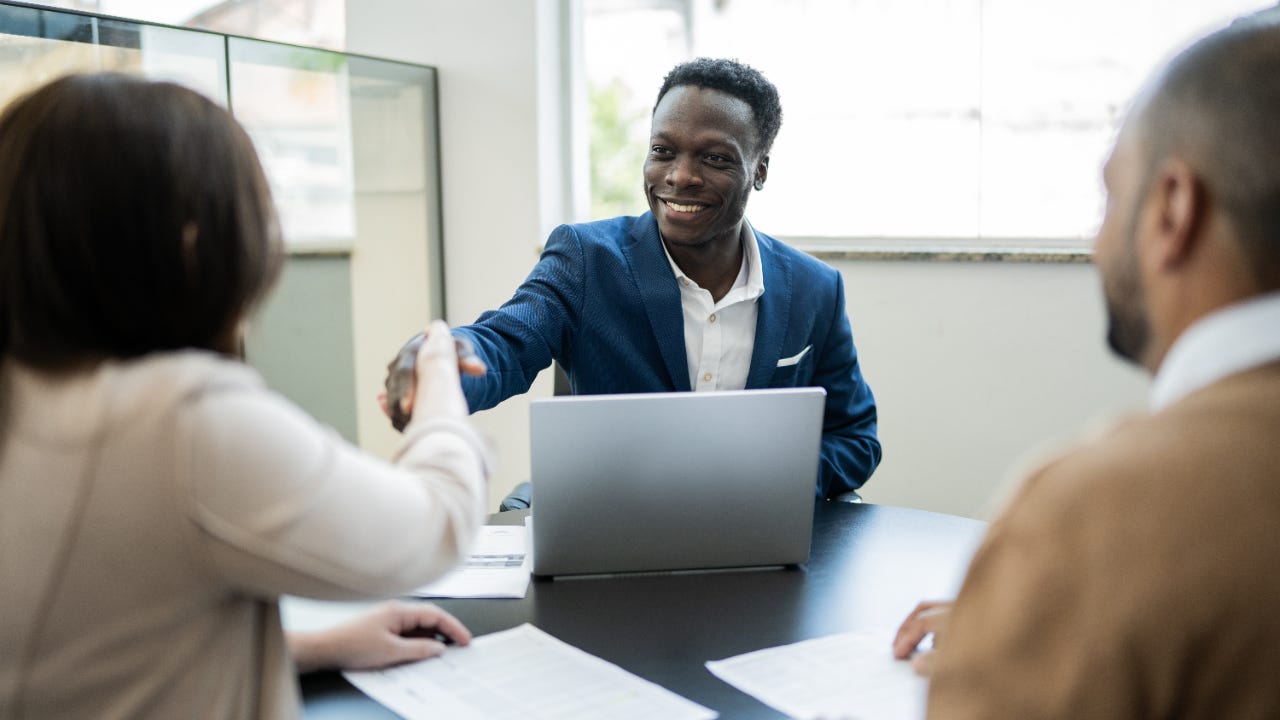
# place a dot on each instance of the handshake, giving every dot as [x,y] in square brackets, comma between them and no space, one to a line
[407,366]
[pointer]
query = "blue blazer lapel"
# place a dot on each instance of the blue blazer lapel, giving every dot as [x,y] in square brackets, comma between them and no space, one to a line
[773,313]
[660,295]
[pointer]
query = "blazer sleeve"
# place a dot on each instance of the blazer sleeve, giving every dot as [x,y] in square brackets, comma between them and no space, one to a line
[278,504]
[850,446]
[521,338]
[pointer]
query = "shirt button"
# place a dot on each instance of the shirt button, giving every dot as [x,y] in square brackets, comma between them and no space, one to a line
[706,376]
[713,317]
[684,282]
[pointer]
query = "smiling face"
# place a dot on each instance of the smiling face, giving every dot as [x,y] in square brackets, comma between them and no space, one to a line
[701,166]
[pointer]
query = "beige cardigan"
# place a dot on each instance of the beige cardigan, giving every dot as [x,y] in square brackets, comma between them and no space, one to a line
[152,511]
[1138,577]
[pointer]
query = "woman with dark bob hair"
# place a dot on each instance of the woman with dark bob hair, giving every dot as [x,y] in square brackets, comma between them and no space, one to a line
[155,497]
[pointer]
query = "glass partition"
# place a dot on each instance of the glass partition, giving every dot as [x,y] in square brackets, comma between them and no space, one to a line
[38,45]
[296,104]
[350,148]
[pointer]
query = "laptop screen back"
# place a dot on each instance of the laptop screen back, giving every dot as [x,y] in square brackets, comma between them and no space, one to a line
[670,481]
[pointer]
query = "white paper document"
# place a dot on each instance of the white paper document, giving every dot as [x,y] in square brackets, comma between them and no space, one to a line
[851,675]
[498,567]
[525,674]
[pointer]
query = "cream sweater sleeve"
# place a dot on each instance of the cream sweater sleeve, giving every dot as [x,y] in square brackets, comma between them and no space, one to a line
[279,504]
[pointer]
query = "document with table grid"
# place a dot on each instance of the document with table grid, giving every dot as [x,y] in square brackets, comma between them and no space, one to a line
[847,676]
[521,674]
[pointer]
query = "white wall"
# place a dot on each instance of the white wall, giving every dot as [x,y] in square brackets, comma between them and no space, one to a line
[976,365]
[973,364]
[488,60]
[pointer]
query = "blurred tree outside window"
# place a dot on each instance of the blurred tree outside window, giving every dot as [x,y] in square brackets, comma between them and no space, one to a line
[616,153]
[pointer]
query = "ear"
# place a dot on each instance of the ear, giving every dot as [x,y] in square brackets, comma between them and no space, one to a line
[762,172]
[1178,208]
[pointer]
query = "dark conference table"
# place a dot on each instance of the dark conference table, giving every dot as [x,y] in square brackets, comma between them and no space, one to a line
[868,567]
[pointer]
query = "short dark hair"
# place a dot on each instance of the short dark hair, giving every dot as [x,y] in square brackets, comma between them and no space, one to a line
[1216,105]
[134,217]
[739,80]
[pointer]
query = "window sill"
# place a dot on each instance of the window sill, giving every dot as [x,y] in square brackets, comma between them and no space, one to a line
[318,249]
[870,249]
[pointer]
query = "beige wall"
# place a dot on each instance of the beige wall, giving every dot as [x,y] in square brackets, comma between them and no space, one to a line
[972,364]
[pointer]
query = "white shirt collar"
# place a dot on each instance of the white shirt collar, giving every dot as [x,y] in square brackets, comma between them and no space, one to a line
[1231,340]
[754,281]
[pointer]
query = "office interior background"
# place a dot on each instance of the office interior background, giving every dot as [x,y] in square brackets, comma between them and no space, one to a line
[944,155]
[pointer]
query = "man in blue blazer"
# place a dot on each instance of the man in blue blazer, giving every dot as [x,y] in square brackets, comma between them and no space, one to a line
[688,296]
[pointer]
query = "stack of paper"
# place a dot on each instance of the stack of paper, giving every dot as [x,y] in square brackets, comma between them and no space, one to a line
[498,567]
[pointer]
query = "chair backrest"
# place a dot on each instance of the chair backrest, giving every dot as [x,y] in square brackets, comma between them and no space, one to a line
[562,386]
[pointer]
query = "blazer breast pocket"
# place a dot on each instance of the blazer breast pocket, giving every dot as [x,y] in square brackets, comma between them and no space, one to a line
[788,372]
[795,359]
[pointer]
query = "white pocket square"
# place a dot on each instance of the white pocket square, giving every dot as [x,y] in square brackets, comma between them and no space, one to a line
[788,362]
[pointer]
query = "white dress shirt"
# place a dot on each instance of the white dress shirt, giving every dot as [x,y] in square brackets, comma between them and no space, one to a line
[720,336]
[1231,340]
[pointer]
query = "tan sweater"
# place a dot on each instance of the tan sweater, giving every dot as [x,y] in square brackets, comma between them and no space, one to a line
[152,511]
[1138,577]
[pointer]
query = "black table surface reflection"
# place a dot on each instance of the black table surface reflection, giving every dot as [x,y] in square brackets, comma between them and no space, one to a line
[868,566]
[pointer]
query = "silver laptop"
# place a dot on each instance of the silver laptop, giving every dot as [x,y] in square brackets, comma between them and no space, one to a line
[674,481]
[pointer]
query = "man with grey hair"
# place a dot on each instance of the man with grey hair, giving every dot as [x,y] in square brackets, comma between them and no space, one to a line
[1137,575]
